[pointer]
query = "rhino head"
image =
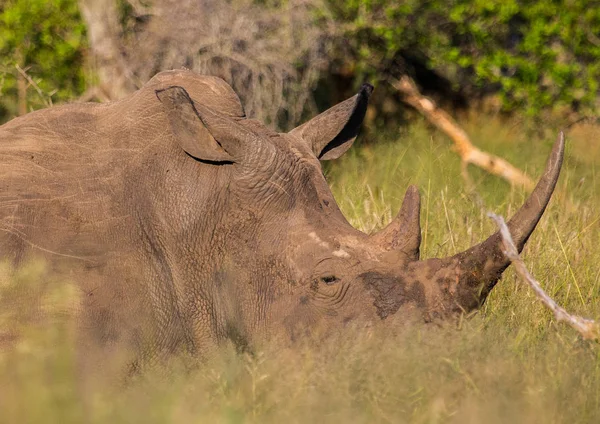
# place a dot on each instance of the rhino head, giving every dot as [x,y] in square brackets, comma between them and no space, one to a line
[290,243]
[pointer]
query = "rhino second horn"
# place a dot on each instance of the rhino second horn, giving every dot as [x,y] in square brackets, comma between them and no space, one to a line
[404,232]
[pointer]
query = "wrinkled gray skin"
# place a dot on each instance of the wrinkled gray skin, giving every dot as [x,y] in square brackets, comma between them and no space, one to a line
[185,224]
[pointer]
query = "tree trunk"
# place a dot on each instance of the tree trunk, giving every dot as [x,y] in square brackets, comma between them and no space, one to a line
[104,33]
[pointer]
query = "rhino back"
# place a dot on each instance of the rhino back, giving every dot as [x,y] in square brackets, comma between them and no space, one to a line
[64,171]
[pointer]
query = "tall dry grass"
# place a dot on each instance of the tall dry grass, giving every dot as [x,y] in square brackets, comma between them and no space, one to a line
[508,364]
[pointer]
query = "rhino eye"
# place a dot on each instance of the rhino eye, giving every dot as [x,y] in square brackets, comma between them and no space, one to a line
[329,279]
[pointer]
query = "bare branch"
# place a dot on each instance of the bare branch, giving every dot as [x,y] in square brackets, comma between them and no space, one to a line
[46,98]
[465,148]
[589,329]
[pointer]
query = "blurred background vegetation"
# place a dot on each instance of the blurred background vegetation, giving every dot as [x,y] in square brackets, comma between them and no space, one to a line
[47,41]
[289,58]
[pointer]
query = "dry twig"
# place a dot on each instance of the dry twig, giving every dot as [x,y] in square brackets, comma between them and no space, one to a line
[469,154]
[589,329]
[46,98]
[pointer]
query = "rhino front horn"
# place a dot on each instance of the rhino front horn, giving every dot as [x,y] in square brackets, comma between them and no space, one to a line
[467,277]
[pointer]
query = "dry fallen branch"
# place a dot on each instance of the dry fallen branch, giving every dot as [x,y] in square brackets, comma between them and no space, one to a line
[589,329]
[469,154]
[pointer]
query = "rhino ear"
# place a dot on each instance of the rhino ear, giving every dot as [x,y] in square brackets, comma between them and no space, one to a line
[332,132]
[203,134]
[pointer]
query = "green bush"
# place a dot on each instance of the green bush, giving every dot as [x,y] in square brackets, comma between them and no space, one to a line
[47,40]
[536,55]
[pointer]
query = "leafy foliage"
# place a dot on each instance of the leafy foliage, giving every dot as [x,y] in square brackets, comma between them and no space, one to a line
[47,40]
[536,54]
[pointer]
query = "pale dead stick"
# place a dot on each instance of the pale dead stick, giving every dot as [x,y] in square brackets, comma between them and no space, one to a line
[46,98]
[589,329]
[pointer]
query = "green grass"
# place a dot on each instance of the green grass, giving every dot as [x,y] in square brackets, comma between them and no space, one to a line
[511,363]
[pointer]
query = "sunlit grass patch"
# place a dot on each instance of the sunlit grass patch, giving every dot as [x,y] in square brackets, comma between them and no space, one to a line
[482,373]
